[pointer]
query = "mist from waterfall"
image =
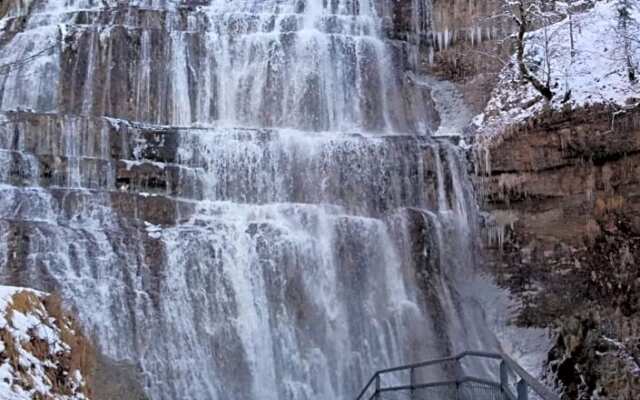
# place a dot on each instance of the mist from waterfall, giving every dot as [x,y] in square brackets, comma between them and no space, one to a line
[241,197]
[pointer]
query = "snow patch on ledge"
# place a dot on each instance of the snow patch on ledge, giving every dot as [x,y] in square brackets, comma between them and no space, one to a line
[36,360]
[596,74]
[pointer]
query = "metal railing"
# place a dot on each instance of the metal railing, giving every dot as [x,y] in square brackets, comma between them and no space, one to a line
[462,386]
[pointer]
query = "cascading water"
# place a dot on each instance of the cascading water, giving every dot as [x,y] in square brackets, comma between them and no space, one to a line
[275,224]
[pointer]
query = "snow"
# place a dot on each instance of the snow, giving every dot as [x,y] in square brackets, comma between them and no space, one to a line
[22,328]
[154,231]
[596,74]
[129,164]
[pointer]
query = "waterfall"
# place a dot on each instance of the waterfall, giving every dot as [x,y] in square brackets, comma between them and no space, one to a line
[240,197]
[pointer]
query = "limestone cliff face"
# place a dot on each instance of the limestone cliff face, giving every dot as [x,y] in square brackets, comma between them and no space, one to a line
[459,41]
[472,46]
[561,190]
[563,234]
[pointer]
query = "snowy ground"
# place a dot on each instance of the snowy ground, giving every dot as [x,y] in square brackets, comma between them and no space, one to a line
[596,74]
[33,352]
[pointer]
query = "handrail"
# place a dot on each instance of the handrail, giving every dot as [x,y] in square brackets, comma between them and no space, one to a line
[440,383]
[526,380]
[480,354]
[533,383]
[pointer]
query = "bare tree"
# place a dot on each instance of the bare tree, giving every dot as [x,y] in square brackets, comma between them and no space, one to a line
[526,14]
[572,42]
[627,30]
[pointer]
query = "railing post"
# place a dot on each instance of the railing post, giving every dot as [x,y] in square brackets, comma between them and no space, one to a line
[376,395]
[412,382]
[458,374]
[504,376]
[523,390]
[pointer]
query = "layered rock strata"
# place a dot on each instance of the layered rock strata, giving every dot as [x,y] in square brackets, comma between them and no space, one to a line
[563,228]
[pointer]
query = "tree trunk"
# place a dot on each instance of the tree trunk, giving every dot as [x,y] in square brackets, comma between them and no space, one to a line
[524,71]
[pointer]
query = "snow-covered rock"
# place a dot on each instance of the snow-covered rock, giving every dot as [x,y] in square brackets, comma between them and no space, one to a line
[595,74]
[42,353]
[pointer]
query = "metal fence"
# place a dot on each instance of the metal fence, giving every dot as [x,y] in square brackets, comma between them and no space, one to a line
[508,382]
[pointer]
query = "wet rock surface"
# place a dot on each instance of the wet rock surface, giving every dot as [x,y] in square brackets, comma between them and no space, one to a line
[563,232]
[233,194]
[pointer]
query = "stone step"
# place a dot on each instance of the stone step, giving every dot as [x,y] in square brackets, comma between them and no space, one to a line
[109,138]
[55,205]
[106,138]
[370,174]
[104,208]
[161,75]
[24,169]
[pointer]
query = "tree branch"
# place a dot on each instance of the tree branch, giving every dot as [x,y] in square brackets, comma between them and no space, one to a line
[543,89]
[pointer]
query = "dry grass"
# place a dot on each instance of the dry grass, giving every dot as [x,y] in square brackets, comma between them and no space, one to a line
[81,356]
[608,204]
[10,352]
[24,302]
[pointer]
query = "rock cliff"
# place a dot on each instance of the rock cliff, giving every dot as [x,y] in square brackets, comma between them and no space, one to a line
[559,181]
[563,233]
